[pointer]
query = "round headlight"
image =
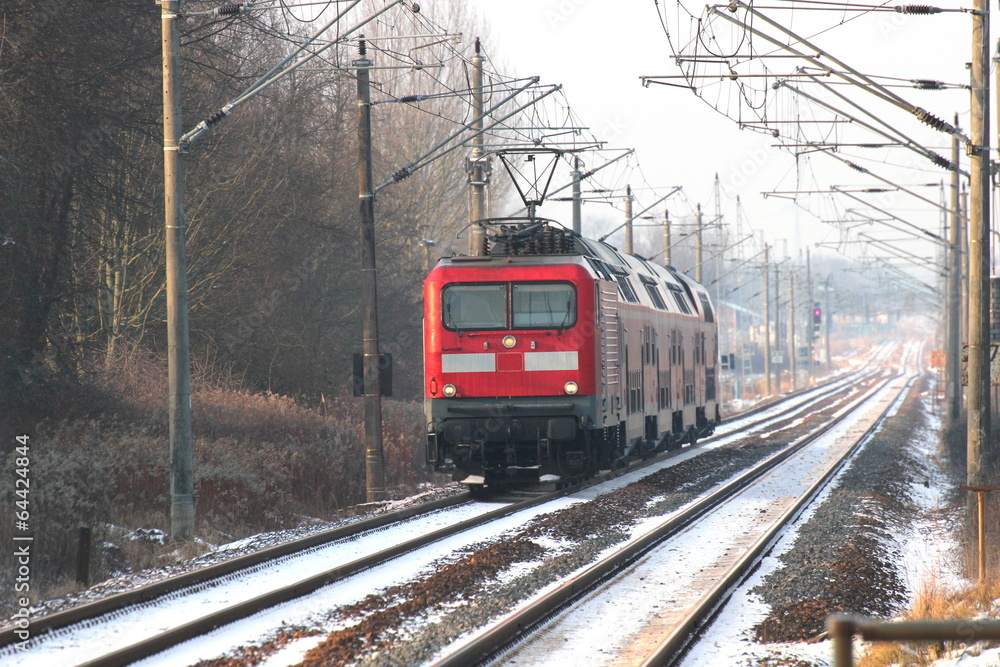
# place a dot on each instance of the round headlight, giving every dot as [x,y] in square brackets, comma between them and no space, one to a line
[509,341]
[571,388]
[449,390]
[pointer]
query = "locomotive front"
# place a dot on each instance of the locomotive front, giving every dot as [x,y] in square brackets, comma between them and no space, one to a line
[509,368]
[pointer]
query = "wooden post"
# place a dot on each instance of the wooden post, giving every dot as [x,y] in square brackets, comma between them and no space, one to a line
[981,528]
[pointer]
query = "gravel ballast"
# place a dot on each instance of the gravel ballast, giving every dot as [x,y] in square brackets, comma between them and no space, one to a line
[407,625]
[845,557]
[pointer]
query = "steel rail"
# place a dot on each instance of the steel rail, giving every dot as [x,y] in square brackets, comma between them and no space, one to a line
[206,624]
[511,629]
[768,404]
[45,624]
[49,622]
[689,629]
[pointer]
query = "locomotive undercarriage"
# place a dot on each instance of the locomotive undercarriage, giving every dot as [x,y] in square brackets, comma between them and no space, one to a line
[519,443]
[512,449]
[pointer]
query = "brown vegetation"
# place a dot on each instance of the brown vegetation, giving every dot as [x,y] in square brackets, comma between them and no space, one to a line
[934,600]
[272,244]
[271,203]
[262,462]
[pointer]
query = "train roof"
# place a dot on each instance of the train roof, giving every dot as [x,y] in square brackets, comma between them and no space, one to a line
[540,241]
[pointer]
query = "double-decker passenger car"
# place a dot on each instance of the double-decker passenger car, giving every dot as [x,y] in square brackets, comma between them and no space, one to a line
[551,357]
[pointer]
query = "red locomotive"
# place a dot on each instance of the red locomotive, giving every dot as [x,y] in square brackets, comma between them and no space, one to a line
[550,357]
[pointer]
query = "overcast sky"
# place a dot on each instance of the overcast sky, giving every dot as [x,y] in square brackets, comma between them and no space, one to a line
[599,50]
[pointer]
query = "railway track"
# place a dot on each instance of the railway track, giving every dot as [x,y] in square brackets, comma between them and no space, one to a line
[62,641]
[653,623]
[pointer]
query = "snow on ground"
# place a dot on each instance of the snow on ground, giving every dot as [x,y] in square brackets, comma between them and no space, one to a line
[218,553]
[929,556]
[65,647]
[660,585]
[307,611]
[310,610]
[72,647]
[730,639]
[988,658]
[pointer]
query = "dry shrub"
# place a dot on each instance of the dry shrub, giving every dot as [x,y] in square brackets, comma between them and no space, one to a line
[77,478]
[955,441]
[262,462]
[933,602]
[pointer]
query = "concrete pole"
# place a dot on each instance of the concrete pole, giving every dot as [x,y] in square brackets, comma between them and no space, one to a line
[826,323]
[981,458]
[374,459]
[996,63]
[963,209]
[768,389]
[697,247]
[178,350]
[777,325]
[628,219]
[577,196]
[953,347]
[666,238]
[811,335]
[477,183]
[791,331]
[719,256]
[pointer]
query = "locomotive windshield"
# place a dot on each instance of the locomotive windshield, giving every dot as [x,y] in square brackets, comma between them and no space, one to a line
[543,305]
[522,305]
[475,306]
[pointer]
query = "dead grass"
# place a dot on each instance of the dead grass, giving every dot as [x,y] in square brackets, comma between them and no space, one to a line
[932,603]
[262,462]
[935,601]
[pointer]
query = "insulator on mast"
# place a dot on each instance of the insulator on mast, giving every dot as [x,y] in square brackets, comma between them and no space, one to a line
[230,9]
[917,9]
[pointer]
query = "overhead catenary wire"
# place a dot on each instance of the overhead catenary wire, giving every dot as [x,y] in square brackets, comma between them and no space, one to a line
[903,139]
[434,154]
[873,86]
[283,68]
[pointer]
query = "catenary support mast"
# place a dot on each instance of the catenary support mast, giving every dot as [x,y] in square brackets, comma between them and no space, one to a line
[477,175]
[767,322]
[666,238]
[980,456]
[697,246]
[791,331]
[953,379]
[628,219]
[374,459]
[577,176]
[178,350]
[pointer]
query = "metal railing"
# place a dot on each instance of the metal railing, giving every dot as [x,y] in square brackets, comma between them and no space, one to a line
[843,627]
